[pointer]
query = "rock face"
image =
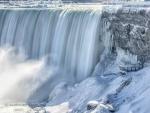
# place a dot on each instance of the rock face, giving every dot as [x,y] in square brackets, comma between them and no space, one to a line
[130,29]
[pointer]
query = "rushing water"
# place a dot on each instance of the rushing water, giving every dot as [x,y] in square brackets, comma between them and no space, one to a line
[67,39]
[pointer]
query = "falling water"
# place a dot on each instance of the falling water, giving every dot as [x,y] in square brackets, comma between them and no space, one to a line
[68,37]
[68,40]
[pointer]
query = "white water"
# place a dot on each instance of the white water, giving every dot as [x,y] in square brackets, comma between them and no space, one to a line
[20,78]
[67,39]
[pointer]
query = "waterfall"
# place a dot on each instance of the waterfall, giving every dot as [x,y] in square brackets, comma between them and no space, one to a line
[68,39]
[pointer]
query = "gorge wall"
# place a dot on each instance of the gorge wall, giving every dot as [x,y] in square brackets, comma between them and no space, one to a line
[130,28]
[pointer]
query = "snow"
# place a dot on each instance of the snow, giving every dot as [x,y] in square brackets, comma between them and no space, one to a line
[61,108]
[137,93]
[135,96]
[16,109]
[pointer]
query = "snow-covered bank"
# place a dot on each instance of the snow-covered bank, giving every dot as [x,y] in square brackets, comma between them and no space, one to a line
[134,97]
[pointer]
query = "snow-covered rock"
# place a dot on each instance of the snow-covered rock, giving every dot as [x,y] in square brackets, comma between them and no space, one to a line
[92,105]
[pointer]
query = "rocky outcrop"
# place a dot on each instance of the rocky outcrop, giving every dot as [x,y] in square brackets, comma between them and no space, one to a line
[130,29]
[91,105]
[99,107]
[131,68]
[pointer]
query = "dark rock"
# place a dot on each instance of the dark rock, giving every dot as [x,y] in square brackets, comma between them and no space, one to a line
[91,105]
